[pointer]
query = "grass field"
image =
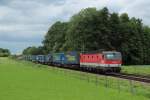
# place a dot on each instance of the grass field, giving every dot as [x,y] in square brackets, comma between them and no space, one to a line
[28,81]
[137,69]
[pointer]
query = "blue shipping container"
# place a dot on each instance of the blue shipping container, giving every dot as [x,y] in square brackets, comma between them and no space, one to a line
[72,58]
[59,58]
[40,58]
[33,57]
[48,58]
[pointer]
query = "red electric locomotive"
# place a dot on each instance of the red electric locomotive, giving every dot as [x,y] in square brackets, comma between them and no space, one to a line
[105,61]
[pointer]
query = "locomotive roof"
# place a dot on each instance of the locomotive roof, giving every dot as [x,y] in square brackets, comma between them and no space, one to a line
[93,52]
[110,52]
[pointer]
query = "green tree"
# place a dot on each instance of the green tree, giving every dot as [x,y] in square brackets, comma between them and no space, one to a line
[55,37]
[33,51]
[93,29]
[4,52]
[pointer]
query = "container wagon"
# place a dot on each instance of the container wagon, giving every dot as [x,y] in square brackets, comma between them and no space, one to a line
[59,59]
[40,59]
[72,60]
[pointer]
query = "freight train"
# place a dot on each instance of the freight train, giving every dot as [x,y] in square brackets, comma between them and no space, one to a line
[105,61]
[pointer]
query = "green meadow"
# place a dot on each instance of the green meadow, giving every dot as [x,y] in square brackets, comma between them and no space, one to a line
[137,69]
[20,80]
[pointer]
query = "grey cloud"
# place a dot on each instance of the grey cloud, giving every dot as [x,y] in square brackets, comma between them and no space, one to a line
[7,2]
[17,47]
[9,37]
[139,9]
[28,20]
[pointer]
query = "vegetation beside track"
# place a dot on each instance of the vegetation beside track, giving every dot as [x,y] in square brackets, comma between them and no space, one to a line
[137,70]
[22,80]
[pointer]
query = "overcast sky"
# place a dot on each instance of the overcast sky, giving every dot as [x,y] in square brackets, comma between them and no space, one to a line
[24,23]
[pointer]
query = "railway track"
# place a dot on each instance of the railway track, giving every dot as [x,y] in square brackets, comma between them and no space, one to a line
[144,79]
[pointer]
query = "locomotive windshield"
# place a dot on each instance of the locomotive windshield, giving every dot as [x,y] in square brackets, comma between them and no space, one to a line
[112,55]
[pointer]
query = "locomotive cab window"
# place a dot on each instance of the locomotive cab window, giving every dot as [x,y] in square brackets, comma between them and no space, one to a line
[113,56]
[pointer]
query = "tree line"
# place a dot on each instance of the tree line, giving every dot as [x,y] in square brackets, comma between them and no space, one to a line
[34,50]
[93,29]
[4,52]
